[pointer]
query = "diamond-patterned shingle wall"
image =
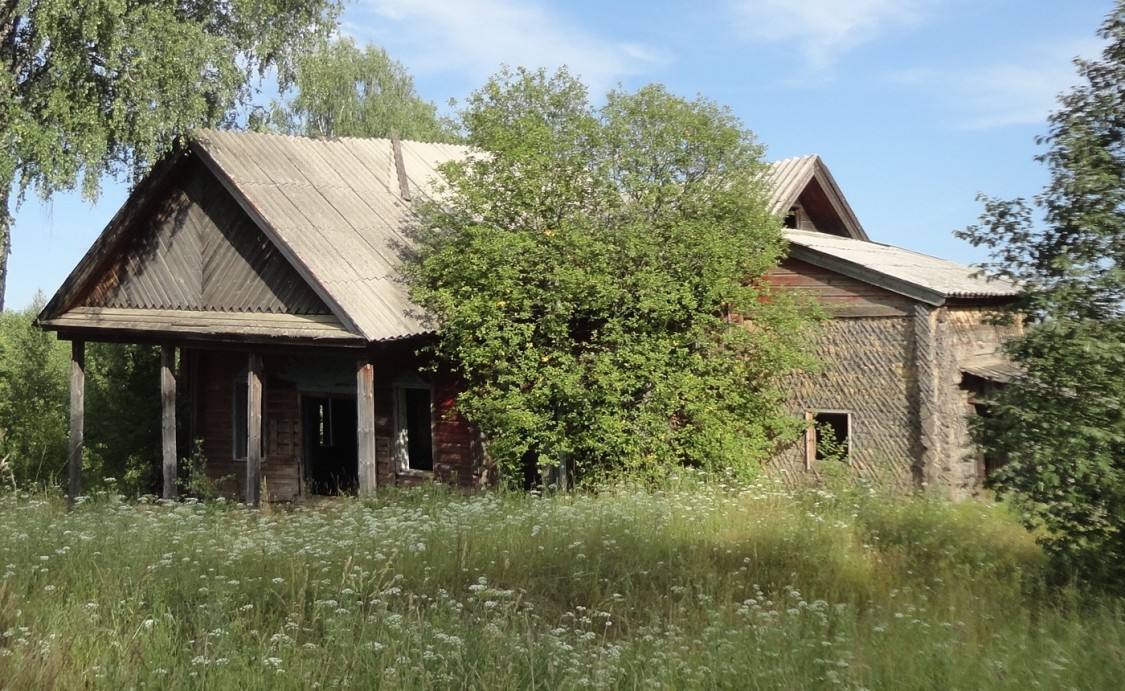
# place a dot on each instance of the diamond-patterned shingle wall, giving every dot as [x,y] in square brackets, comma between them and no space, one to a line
[867,372]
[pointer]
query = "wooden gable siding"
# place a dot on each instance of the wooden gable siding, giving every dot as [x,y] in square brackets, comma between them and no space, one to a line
[822,214]
[198,251]
[841,296]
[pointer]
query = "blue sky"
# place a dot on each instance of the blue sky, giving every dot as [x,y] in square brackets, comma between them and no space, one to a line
[915,105]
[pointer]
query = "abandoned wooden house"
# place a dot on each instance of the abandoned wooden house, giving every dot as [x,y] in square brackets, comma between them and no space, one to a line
[264,266]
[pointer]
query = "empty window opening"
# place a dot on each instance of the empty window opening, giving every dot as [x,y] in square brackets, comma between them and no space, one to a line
[828,437]
[414,436]
[799,219]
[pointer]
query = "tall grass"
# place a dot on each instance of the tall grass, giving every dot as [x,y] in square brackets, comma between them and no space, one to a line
[758,587]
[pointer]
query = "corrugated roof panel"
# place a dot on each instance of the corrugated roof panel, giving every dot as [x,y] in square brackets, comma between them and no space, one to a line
[372,163]
[318,165]
[352,207]
[1001,371]
[422,160]
[788,178]
[281,161]
[949,279]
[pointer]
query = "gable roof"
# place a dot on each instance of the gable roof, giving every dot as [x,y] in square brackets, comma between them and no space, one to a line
[336,210]
[807,181]
[928,279]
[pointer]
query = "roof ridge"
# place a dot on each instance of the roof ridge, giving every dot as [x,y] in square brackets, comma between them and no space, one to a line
[209,131]
[801,157]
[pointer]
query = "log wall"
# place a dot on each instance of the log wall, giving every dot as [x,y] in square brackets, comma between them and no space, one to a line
[866,371]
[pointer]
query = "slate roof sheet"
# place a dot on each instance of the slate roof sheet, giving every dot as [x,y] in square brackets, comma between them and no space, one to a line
[335,207]
[788,178]
[1000,371]
[918,275]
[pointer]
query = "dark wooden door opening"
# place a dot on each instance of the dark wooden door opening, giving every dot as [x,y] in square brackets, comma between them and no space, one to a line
[328,425]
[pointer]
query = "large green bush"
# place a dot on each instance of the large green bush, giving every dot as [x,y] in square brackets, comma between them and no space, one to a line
[595,276]
[1061,425]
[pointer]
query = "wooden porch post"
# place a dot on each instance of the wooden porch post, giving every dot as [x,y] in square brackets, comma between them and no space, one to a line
[77,420]
[254,430]
[168,426]
[365,425]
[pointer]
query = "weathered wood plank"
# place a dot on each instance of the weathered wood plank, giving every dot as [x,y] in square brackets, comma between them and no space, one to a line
[841,296]
[77,420]
[203,325]
[254,430]
[865,309]
[365,428]
[168,421]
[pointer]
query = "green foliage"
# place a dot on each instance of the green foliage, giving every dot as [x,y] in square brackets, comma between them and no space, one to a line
[1061,426]
[341,90]
[34,397]
[95,87]
[752,586]
[123,409]
[830,448]
[595,278]
[122,429]
[199,483]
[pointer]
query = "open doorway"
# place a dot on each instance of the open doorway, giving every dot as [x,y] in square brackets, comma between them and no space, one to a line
[328,429]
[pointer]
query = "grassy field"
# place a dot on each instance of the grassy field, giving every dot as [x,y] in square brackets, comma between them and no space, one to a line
[715,587]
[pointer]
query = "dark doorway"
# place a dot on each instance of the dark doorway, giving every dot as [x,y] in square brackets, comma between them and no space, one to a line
[328,429]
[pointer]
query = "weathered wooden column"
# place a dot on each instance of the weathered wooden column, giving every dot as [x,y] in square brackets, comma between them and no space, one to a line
[927,469]
[168,423]
[365,425]
[254,430]
[77,420]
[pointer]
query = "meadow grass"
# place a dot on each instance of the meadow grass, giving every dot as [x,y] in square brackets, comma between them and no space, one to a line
[700,587]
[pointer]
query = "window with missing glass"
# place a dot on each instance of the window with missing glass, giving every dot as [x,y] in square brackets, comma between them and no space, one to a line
[413,413]
[828,436]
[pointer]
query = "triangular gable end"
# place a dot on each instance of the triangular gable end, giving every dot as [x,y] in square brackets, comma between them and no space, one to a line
[807,196]
[182,256]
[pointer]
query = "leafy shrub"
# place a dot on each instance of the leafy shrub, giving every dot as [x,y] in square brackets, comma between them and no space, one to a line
[122,429]
[34,397]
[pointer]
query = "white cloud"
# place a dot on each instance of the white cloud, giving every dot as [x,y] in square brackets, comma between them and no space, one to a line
[823,29]
[473,39]
[1005,94]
